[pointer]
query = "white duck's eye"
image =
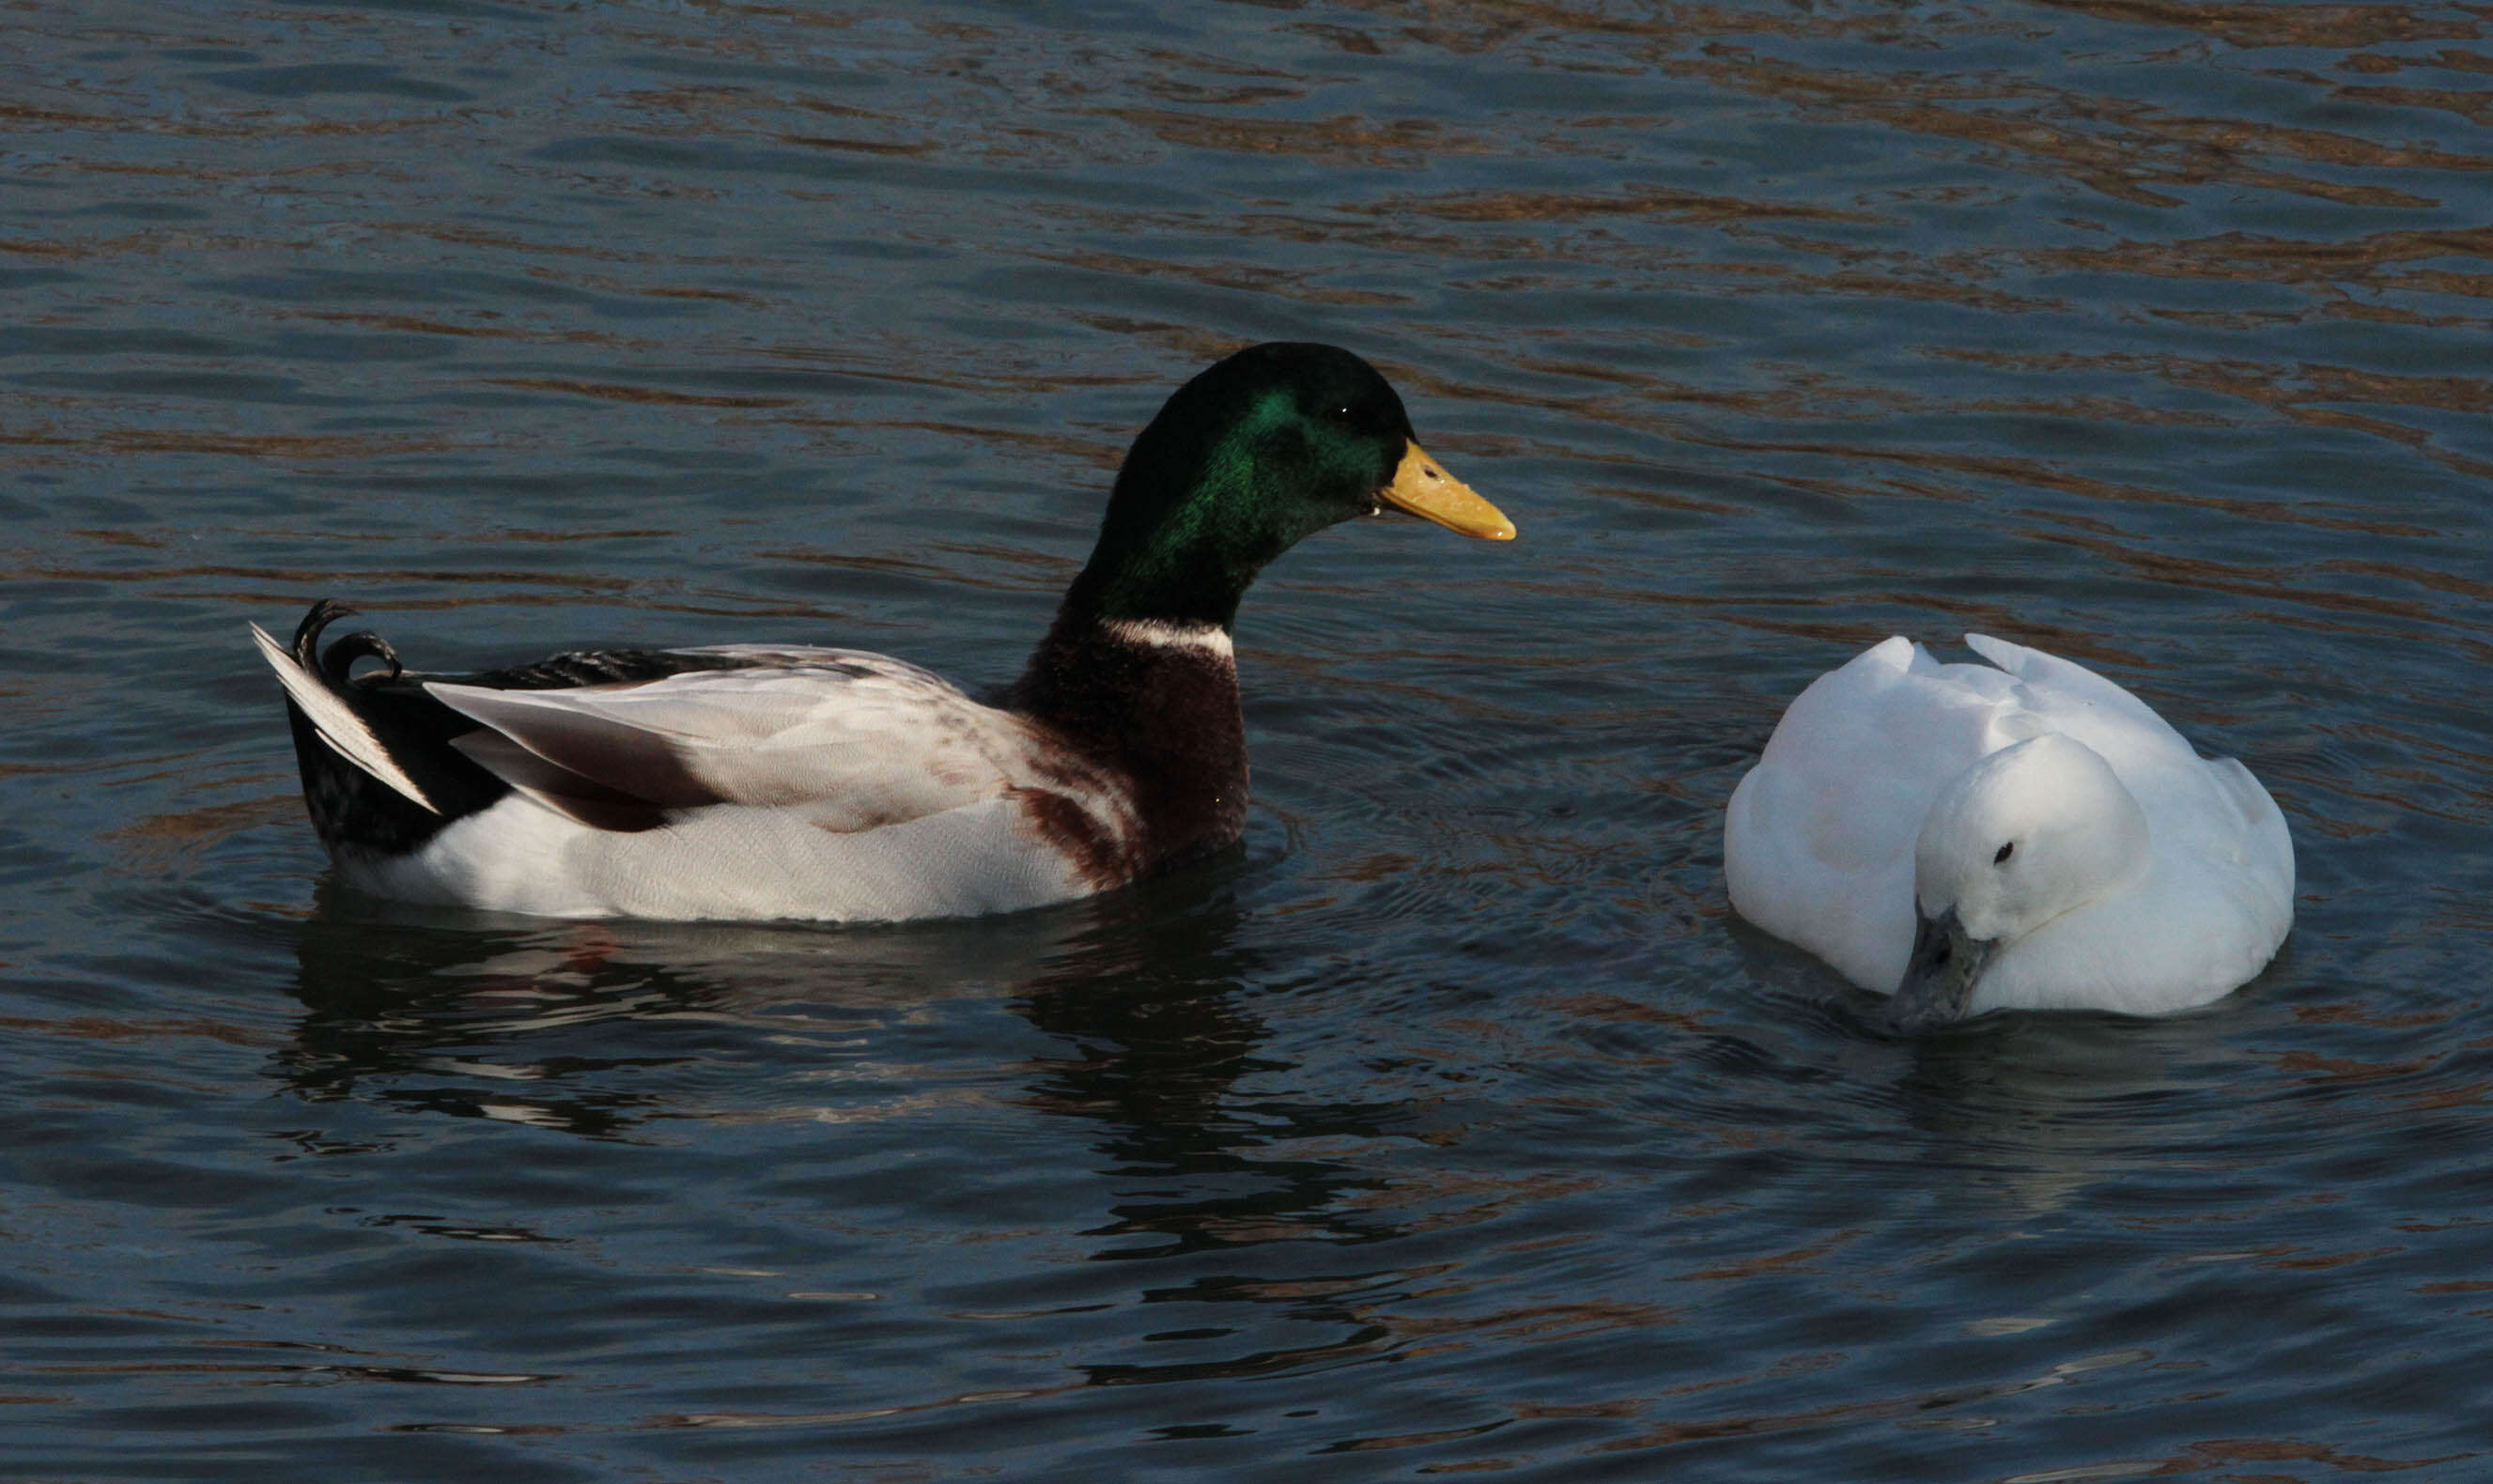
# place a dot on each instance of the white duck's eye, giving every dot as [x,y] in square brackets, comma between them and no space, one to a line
[2002,859]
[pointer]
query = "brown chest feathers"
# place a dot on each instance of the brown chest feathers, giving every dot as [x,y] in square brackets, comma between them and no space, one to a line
[1156,703]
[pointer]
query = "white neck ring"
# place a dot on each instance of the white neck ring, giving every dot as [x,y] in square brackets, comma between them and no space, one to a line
[1158,633]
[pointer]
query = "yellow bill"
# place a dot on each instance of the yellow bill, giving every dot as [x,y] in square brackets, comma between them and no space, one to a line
[1422,487]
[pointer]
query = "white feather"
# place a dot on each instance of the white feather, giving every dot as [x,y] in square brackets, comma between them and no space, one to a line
[333,721]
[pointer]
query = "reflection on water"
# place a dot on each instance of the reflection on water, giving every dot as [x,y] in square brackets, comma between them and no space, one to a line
[465,993]
[1454,1124]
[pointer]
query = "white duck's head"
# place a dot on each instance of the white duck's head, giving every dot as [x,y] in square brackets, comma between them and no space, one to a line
[2028,833]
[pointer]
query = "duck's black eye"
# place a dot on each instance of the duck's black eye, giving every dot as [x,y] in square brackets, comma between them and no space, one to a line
[2001,858]
[1360,417]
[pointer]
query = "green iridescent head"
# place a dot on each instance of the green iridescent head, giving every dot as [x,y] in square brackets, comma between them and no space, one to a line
[1255,454]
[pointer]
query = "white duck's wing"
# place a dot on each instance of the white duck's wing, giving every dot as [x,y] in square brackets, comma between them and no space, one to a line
[2212,806]
[2263,822]
[848,740]
[1818,839]
[2065,696]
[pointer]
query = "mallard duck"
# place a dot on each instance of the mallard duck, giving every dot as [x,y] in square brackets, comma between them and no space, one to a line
[767,782]
[2026,837]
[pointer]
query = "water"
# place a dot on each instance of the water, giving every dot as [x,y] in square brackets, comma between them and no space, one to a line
[1449,1125]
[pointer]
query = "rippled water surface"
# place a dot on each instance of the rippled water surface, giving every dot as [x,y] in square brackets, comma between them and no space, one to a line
[1452,1124]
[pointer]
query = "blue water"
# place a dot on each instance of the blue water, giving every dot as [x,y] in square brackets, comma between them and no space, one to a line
[1453,1123]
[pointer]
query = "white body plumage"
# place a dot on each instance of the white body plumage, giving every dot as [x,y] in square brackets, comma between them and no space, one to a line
[1874,806]
[824,783]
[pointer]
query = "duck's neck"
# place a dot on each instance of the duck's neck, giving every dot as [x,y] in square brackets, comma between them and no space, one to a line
[1156,698]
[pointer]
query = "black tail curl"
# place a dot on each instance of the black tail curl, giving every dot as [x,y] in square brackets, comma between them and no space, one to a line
[351,807]
[337,666]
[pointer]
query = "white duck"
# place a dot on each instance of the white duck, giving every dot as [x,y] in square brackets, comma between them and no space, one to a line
[2031,837]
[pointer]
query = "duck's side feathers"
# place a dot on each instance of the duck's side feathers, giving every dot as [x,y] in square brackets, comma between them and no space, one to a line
[564,742]
[335,723]
[2266,850]
[851,740]
[2260,813]
[574,795]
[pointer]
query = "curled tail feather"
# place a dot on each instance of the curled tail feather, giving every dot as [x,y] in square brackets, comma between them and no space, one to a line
[315,684]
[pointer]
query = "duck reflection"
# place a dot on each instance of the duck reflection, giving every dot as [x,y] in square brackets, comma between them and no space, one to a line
[2039,1109]
[1147,1001]
[2034,1107]
[1143,995]
[510,1008]
[467,1014]
[1161,1033]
